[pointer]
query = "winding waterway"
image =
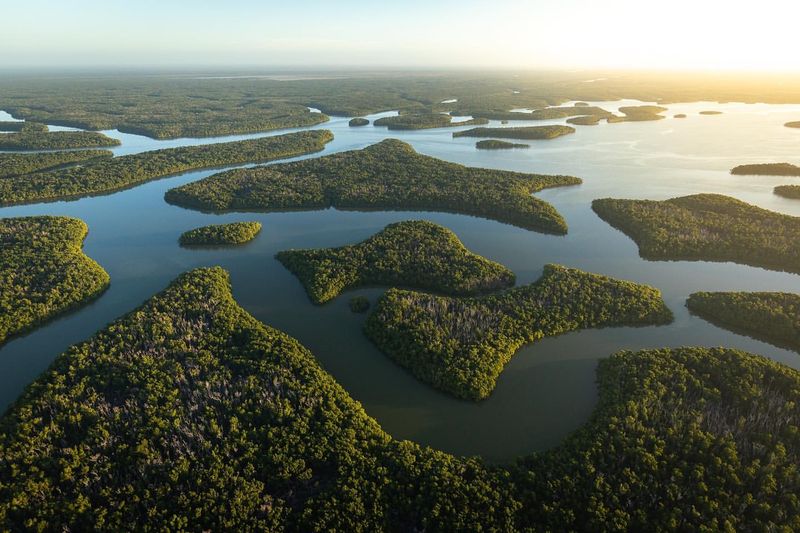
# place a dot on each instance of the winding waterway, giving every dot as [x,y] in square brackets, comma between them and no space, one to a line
[548,389]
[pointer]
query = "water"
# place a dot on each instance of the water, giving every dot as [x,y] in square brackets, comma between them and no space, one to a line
[548,389]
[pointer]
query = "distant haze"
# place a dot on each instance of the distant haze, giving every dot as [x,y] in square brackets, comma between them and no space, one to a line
[681,34]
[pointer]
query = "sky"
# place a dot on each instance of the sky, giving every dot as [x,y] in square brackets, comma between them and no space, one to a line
[517,34]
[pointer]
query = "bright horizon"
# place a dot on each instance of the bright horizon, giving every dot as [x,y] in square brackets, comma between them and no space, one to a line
[572,34]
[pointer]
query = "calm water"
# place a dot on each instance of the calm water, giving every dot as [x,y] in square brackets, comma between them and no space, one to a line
[548,389]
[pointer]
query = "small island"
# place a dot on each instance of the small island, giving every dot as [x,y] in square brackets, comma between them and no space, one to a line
[710,112]
[460,346]
[680,115]
[387,175]
[706,227]
[640,113]
[767,169]
[221,234]
[788,191]
[44,271]
[772,317]
[525,133]
[494,144]
[413,121]
[795,124]
[112,174]
[585,120]
[414,253]
[358,121]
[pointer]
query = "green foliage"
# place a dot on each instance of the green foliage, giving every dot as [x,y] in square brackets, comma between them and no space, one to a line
[189,414]
[460,346]
[639,113]
[414,254]
[386,175]
[494,144]
[425,121]
[707,227]
[359,304]
[162,108]
[17,164]
[107,175]
[54,140]
[767,169]
[43,271]
[19,126]
[358,121]
[788,191]
[773,317]
[547,113]
[586,120]
[221,234]
[526,132]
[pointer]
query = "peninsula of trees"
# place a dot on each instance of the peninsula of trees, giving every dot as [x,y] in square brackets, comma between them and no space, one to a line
[772,317]
[386,175]
[460,345]
[188,413]
[707,227]
[525,132]
[414,253]
[55,140]
[221,234]
[108,175]
[358,121]
[420,121]
[43,271]
[17,164]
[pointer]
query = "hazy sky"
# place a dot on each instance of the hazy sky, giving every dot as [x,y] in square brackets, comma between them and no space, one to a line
[676,34]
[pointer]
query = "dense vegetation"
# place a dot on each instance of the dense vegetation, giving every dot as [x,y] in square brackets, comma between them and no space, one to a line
[164,108]
[586,120]
[460,346]
[358,121]
[386,175]
[525,132]
[639,113]
[108,175]
[190,414]
[548,113]
[55,140]
[707,227]
[221,234]
[494,144]
[358,304]
[43,271]
[788,191]
[773,317]
[414,253]
[20,126]
[767,169]
[17,164]
[422,121]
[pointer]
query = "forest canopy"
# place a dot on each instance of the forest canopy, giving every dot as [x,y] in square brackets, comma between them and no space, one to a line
[386,175]
[188,413]
[706,227]
[221,234]
[108,175]
[460,345]
[43,271]
[772,317]
[414,253]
